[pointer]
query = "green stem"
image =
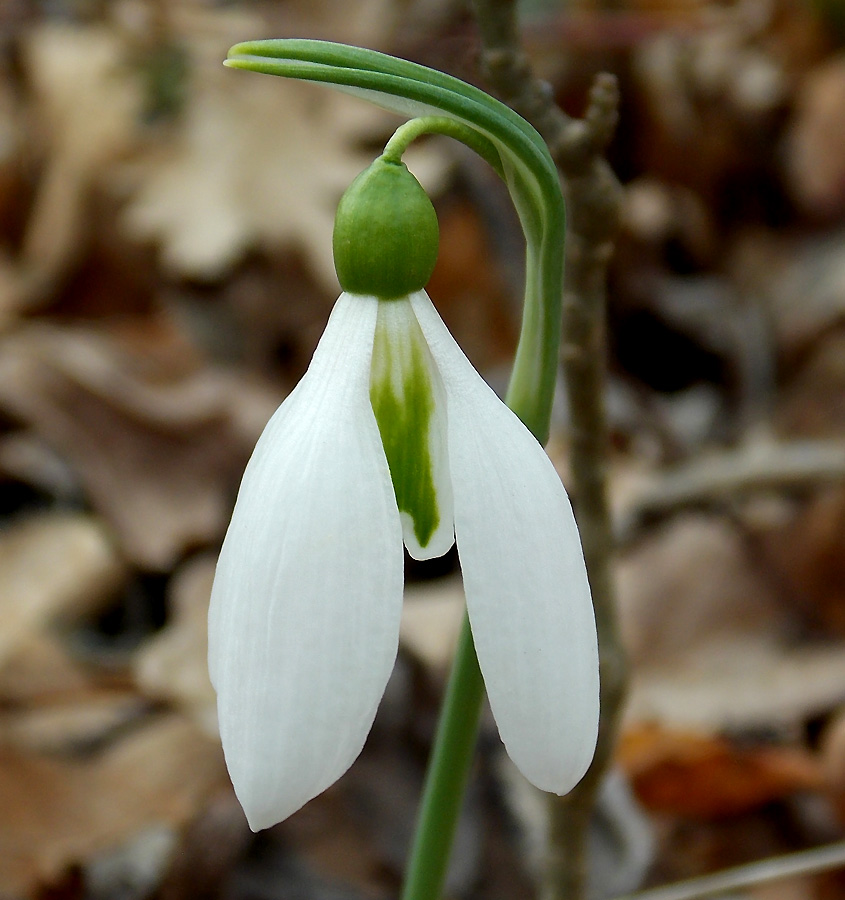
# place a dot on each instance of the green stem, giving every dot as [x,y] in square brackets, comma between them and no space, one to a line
[447,775]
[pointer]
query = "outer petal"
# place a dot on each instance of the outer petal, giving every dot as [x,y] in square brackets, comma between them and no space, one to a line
[526,585]
[304,617]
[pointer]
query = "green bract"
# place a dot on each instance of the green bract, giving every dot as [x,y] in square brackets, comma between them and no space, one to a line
[503,138]
[385,233]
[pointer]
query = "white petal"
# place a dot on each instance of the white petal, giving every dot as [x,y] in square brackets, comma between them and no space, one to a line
[526,585]
[410,403]
[304,618]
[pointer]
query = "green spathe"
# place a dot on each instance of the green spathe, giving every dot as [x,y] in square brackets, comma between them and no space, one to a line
[402,397]
[385,233]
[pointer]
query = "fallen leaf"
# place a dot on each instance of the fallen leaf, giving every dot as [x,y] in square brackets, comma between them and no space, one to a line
[432,614]
[808,556]
[812,403]
[86,103]
[710,640]
[469,283]
[832,750]
[801,282]
[256,162]
[816,157]
[158,455]
[687,584]
[210,848]
[25,458]
[73,723]
[58,813]
[39,669]
[698,775]
[53,569]
[742,684]
[707,98]
[173,665]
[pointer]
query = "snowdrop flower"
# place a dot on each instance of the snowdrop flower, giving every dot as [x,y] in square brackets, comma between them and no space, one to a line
[392,437]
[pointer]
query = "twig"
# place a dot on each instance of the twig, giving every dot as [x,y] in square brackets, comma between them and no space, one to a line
[593,199]
[805,862]
[789,466]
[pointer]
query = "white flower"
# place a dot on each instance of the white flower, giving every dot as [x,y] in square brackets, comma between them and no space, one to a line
[305,609]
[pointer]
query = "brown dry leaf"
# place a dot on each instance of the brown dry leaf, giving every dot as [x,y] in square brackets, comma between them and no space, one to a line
[256,162]
[74,722]
[209,848]
[813,404]
[431,621]
[13,146]
[57,814]
[157,454]
[745,683]
[39,670]
[703,94]
[833,751]
[86,103]
[833,760]
[27,459]
[698,775]
[806,887]
[687,585]
[53,568]
[368,23]
[708,638]
[808,555]
[468,285]
[816,159]
[174,664]
[327,838]
[802,284]
[808,295]
[655,214]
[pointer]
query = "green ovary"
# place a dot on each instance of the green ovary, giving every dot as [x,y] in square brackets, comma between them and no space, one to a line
[403,402]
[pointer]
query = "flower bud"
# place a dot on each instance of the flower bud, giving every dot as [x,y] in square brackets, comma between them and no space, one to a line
[385,233]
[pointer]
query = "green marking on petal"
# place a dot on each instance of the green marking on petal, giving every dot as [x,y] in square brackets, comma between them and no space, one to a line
[402,397]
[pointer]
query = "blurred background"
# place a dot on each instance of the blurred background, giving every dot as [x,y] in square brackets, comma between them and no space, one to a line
[165,273]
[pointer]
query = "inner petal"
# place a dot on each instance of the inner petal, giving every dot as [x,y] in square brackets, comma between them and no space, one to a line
[409,403]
